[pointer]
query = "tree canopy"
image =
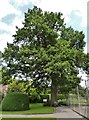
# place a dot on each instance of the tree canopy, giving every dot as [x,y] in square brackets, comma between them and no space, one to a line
[45,50]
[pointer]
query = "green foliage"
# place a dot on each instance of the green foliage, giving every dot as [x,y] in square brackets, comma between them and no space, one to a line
[0,76]
[6,76]
[62,99]
[47,103]
[71,35]
[82,91]
[86,63]
[1,97]
[62,96]
[25,87]
[17,86]
[15,102]
[46,51]
[44,97]
[33,95]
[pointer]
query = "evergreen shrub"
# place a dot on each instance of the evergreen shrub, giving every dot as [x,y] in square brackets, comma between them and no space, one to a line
[15,101]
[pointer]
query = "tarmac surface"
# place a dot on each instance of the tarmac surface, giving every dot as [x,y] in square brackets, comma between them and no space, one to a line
[60,112]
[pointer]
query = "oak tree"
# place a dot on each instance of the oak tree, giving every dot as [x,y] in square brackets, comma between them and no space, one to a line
[46,51]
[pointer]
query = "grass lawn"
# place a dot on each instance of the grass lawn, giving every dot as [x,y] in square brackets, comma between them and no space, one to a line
[28,118]
[36,108]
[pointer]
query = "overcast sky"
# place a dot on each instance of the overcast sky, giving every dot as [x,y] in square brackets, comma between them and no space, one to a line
[12,15]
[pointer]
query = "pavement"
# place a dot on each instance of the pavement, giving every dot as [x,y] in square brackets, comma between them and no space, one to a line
[60,112]
[83,110]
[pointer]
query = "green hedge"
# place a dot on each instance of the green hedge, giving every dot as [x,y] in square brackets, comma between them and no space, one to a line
[15,102]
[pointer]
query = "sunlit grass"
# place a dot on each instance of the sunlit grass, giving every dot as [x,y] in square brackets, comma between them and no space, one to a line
[28,119]
[36,108]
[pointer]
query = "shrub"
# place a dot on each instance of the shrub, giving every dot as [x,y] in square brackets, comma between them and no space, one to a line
[15,102]
[16,86]
[44,97]
[1,97]
[34,96]
[34,99]
[61,96]
[47,103]
[63,102]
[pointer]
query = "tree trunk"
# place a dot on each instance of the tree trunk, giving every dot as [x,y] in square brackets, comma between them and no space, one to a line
[54,93]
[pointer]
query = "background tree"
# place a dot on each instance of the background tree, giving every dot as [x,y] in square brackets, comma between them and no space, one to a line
[45,50]
[86,63]
[0,68]
[6,76]
[17,86]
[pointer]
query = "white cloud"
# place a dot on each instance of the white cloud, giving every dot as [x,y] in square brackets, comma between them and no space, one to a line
[17,22]
[20,2]
[66,6]
[6,8]
[10,29]
[4,38]
[5,27]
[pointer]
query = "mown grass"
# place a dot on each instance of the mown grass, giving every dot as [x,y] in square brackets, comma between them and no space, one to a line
[36,108]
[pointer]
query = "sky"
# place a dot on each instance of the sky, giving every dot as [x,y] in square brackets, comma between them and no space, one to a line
[12,15]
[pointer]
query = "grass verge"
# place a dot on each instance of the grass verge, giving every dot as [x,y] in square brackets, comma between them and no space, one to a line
[28,118]
[36,108]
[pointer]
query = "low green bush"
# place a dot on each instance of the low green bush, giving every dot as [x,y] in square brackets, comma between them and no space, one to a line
[63,102]
[34,99]
[47,103]
[62,96]
[44,97]
[15,102]
[1,97]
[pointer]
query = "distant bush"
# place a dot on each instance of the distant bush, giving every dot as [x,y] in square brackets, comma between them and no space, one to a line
[44,97]
[63,103]
[62,96]
[1,97]
[34,96]
[47,103]
[62,99]
[34,99]
[15,102]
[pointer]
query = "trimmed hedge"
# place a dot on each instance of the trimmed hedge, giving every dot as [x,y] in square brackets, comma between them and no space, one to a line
[15,102]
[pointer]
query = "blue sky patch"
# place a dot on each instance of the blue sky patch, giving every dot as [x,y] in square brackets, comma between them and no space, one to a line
[11,17]
[21,7]
[25,7]
[75,21]
[8,19]
[3,31]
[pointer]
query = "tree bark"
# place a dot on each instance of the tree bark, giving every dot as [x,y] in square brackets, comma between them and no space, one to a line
[54,93]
